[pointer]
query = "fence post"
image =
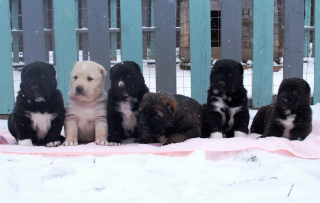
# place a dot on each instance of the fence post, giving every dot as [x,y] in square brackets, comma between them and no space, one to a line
[293,38]
[231,30]
[316,94]
[99,38]
[152,43]
[65,22]
[200,48]
[33,31]
[307,19]
[6,76]
[131,31]
[165,45]
[113,23]
[15,26]
[263,17]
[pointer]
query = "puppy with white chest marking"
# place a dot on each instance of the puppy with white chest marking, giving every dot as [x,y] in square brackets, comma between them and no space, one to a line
[39,112]
[290,116]
[124,96]
[227,111]
[86,106]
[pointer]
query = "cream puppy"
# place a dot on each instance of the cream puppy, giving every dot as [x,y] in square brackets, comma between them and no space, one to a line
[86,106]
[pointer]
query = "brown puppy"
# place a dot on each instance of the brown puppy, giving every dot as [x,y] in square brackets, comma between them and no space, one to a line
[86,117]
[169,119]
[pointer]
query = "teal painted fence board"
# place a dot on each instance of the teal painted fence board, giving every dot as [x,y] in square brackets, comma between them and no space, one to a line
[65,42]
[113,24]
[15,26]
[316,95]
[131,31]
[200,48]
[307,19]
[6,76]
[263,17]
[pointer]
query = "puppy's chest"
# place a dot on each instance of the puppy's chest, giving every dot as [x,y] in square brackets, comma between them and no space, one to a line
[129,119]
[40,122]
[288,124]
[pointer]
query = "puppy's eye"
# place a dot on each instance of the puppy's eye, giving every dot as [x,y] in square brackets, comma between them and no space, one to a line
[90,78]
[230,74]
[43,77]
[295,92]
[129,76]
[75,77]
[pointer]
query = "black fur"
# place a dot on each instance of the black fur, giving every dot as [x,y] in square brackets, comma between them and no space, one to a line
[293,101]
[176,117]
[38,80]
[227,92]
[132,91]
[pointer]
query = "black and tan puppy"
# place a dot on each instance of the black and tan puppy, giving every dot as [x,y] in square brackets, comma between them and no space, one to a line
[124,96]
[227,111]
[38,115]
[169,119]
[290,116]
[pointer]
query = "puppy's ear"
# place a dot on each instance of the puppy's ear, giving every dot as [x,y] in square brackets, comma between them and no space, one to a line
[102,70]
[171,104]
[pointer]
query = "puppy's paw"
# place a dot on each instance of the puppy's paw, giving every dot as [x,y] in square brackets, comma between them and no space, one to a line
[239,134]
[26,142]
[70,143]
[53,144]
[101,142]
[216,135]
[114,144]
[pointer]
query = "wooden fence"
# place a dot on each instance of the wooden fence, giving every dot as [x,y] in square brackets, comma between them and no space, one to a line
[66,49]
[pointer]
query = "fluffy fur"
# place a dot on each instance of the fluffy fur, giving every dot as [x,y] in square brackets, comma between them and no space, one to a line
[124,96]
[169,119]
[290,116]
[227,111]
[39,112]
[86,106]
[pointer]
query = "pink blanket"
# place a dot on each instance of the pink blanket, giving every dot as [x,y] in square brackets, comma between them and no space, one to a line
[215,148]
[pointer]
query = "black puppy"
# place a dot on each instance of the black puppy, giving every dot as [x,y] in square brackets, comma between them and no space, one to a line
[227,111]
[124,96]
[39,111]
[290,116]
[169,119]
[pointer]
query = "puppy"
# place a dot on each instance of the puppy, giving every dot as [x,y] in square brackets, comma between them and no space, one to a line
[86,106]
[290,116]
[124,96]
[39,112]
[169,119]
[227,111]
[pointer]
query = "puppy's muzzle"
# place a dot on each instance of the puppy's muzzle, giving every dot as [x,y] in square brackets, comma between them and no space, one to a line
[79,90]
[35,90]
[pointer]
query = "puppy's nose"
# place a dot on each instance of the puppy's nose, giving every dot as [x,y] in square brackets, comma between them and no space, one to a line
[79,89]
[34,87]
[284,101]
[221,83]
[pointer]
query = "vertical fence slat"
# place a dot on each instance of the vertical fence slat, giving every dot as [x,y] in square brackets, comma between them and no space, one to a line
[231,30]
[165,45]
[307,20]
[15,25]
[152,44]
[316,94]
[293,38]
[131,31]
[145,21]
[263,17]
[113,24]
[65,22]
[6,76]
[84,23]
[99,38]
[33,31]
[200,48]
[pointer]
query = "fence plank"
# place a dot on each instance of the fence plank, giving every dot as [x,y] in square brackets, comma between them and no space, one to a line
[15,26]
[307,20]
[231,30]
[65,22]
[293,38]
[6,76]
[263,17]
[316,95]
[200,48]
[99,38]
[145,21]
[131,31]
[33,31]
[113,23]
[165,45]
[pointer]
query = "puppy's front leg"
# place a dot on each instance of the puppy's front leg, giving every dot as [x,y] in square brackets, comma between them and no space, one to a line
[176,138]
[71,132]
[101,132]
[214,120]
[241,122]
